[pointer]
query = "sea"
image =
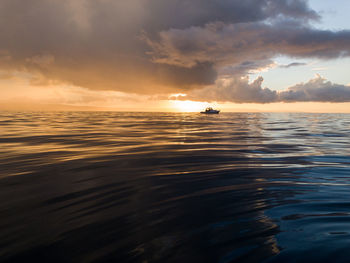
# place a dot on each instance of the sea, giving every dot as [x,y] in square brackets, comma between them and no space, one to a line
[174,187]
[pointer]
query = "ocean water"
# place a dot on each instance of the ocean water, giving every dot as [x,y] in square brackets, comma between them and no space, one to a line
[166,187]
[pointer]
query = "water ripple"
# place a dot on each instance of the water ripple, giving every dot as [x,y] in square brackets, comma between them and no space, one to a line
[166,187]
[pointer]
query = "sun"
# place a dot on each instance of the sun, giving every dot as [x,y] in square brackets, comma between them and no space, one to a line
[188,105]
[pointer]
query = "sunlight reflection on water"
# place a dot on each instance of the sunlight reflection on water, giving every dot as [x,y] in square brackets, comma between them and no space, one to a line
[174,187]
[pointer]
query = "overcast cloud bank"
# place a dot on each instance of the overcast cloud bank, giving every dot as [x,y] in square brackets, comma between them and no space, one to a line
[141,46]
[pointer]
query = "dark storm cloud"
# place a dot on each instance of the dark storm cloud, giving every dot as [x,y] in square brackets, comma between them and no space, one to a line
[156,46]
[232,44]
[182,14]
[239,90]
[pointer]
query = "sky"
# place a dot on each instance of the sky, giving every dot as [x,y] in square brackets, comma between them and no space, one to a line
[175,55]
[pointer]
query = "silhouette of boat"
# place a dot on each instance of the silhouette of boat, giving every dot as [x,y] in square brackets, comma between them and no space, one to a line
[210,110]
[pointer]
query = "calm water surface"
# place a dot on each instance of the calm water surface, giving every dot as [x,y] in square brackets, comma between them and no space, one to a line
[163,187]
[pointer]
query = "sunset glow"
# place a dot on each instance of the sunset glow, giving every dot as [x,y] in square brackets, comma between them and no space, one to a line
[188,106]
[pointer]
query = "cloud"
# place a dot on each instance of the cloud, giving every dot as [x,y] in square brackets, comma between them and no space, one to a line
[317,89]
[6,76]
[235,89]
[97,44]
[200,12]
[239,90]
[140,46]
[294,64]
[246,67]
[233,44]
[41,60]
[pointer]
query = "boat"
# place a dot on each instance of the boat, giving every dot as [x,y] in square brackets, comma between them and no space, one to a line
[210,110]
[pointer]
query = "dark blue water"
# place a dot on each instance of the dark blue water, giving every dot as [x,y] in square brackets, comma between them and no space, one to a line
[163,187]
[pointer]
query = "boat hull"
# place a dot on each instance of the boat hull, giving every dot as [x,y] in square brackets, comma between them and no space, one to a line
[210,112]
